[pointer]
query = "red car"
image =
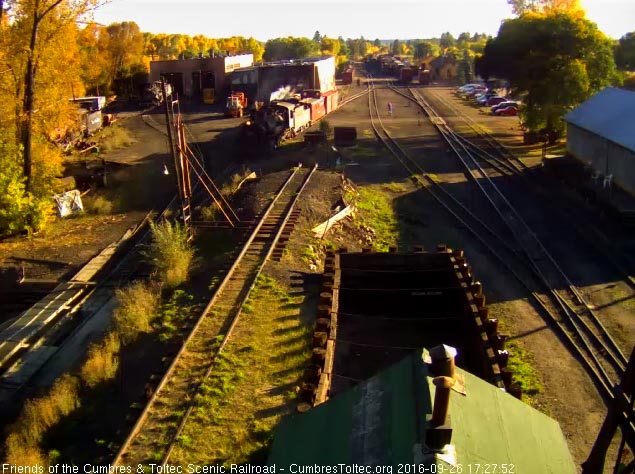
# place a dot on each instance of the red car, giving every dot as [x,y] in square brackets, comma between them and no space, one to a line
[509,111]
[494,101]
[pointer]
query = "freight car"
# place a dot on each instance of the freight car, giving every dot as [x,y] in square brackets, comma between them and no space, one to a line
[424,77]
[406,73]
[347,77]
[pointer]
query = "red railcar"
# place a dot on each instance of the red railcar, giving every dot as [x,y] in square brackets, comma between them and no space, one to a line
[317,106]
[331,101]
[347,77]
[424,77]
[406,74]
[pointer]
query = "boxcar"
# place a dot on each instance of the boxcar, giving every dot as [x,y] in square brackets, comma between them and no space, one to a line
[331,101]
[317,107]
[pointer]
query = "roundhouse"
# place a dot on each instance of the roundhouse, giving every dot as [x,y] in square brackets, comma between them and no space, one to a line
[203,77]
[600,135]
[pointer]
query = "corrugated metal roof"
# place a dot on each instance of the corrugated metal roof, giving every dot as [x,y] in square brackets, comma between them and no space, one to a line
[380,422]
[610,113]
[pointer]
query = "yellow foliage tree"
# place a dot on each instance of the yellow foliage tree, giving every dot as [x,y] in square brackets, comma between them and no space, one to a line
[40,61]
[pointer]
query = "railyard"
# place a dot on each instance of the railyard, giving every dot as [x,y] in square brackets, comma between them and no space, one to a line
[434,197]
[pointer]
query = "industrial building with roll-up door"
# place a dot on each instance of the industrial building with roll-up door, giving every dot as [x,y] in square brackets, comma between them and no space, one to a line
[601,134]
[282,79]
[203,78]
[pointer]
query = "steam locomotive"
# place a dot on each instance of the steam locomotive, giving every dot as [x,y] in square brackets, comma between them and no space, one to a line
[284,119]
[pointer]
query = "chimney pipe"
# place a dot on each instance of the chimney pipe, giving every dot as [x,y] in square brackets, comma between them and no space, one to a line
[441,400]
[443,361]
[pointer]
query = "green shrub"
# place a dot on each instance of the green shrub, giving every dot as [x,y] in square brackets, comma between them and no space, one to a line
[171,253]
[102,361]
[137,308]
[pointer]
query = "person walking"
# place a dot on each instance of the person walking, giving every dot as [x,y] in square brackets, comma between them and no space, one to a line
[389,108]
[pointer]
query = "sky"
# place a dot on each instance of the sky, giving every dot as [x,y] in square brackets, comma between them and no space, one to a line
[387,19]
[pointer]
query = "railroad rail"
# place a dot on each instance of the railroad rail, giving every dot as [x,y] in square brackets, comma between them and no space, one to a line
[487,148]
[585,324]
[39,333]
[572,317]
[154,432]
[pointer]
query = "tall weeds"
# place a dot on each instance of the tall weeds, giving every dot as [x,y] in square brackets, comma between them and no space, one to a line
[22,446]
[171,253]
[102,361]
[138,306]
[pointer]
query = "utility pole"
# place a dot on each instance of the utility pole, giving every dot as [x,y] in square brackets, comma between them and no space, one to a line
[181,169]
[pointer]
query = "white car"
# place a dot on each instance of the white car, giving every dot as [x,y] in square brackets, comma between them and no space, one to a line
[470,88]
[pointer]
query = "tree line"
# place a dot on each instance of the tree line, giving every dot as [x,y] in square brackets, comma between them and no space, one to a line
[550,53]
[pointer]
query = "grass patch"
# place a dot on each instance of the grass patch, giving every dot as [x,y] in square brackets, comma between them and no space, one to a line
[309,254]
[173,314]
[520,363]
[170,252]
[233,185]
[209,213]
[397,188]
[137,307]
[375,212]
[102,361]
[115,137]
[99,205]
[252,383]
[363,152]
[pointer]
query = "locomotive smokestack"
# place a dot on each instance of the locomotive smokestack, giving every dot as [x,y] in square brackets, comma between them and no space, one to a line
[441,400]
[443,361]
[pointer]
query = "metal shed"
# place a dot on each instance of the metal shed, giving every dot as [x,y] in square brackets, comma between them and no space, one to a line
[282,79]
[600,134]
[383,421]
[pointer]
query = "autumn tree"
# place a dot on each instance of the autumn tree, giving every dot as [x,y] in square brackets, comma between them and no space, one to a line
[92,42]
[423,49]
[395,48]
[36,24]
[465,68]
[520,7]
[290,48]
[447,40]
[329,46]
[40,61]
[625,52]
[554,60]
[125,46]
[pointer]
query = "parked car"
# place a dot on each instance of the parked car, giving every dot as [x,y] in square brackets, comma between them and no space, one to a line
[481,98]
[494,100]
[474,91]
[507,111]
[468,87]
[502,105]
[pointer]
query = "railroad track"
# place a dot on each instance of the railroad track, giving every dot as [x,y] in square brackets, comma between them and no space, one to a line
[587,329]
[40,332]
[155,430]
[487,148]
[565,309]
